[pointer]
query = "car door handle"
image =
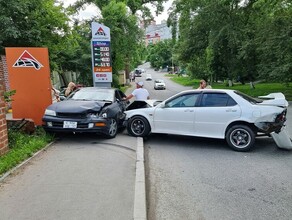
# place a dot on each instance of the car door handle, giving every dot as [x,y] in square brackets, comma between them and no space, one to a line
[189,110]
[231,110]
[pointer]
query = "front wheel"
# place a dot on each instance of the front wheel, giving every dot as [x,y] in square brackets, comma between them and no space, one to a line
[138,126]
[240,138]
[113,128]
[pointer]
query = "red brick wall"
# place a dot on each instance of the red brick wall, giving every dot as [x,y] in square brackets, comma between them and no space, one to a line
[3,125]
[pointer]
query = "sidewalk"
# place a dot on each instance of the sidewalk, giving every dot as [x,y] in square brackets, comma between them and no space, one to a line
[106,181]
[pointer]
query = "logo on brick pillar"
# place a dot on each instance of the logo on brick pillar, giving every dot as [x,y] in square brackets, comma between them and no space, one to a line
[27,60]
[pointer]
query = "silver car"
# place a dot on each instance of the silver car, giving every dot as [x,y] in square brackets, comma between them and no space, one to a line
[159,84]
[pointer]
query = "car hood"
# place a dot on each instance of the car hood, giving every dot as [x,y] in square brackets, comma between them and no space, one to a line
[137,104]
[74,106]
[274,99]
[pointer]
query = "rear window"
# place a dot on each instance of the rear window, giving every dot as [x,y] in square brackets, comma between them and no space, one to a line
[248,98]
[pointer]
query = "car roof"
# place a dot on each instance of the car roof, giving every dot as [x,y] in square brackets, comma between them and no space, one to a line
[211,90]
[228,91]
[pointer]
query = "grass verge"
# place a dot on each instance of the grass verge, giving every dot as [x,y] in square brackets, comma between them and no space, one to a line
[22,146]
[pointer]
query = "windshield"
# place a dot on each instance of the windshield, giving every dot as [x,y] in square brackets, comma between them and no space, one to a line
[93,95]
[248,98]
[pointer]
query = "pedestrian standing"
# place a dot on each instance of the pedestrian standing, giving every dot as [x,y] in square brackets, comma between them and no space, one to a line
[203,85]
[139,93]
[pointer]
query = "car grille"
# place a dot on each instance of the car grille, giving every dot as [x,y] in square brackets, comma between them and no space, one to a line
[71,115]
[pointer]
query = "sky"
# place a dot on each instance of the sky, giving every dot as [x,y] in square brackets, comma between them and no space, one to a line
[91,10]
[164,14]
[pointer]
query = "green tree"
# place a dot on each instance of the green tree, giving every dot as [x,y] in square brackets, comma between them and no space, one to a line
[76,54]
[274,39]
[235,39]
[32,23]
[126,37]
[160,54]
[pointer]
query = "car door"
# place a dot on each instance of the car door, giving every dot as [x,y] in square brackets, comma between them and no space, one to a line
[121,105]
[214,112]
[176,116]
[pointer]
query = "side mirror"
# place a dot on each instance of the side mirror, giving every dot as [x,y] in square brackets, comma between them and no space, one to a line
[162,105]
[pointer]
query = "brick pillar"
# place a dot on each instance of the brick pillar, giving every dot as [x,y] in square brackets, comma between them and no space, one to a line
[3,125]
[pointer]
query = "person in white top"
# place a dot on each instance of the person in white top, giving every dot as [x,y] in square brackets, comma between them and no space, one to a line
[140,93]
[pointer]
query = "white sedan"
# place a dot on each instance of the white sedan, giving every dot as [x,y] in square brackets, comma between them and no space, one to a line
[159,84]
[214,113]
[148,77]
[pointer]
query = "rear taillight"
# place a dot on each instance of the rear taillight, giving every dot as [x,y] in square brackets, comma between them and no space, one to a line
[281,117]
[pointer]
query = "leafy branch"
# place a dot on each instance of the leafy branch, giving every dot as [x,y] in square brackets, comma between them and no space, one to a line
[8,95]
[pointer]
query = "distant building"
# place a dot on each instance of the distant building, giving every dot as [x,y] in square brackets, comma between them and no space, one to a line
[152,39]
[157,32]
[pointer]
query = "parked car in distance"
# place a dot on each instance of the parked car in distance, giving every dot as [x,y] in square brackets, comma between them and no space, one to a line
[159,84]
[89,109]
[138,73]
[214,113]
[148,77]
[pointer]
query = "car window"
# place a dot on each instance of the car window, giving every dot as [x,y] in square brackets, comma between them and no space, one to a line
[187,100]
[248,98]
[217,100]
[93,95]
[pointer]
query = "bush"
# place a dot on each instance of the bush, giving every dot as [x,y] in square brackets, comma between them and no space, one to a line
[22,146]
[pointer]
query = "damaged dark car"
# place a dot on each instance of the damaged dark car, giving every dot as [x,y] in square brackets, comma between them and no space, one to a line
[89,109]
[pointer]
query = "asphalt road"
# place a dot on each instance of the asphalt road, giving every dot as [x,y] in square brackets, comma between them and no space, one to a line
[196,178]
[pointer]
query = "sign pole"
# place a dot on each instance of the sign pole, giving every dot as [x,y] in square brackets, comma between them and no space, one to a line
[101,59]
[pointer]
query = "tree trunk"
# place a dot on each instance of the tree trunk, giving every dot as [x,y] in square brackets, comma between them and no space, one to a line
[127,70]
[230,84]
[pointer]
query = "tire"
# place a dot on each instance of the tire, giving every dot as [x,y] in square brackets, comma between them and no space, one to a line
[138,126]
[240,138]
[113,128]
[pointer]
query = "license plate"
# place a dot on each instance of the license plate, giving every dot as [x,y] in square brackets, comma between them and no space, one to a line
[70,124]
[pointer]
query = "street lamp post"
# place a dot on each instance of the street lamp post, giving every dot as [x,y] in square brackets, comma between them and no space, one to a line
[172,67]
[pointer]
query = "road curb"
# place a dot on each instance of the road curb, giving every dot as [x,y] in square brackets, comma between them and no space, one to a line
[24,162]
[140,188]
